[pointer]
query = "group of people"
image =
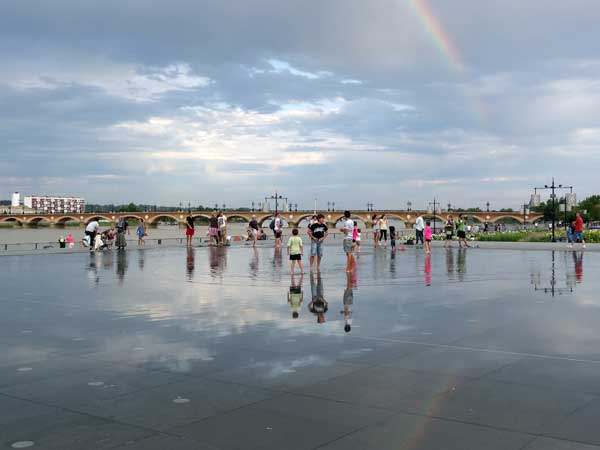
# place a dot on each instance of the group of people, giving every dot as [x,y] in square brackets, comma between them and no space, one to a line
[575,232]
[217,229]
[96,240]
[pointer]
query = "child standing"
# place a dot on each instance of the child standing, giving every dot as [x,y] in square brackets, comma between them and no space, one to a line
[393,238]
[428,237]
[295,250]
[358,240]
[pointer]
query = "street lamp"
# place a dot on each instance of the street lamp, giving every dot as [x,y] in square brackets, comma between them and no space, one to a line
[295,207]
[328,206]
[487,206]
[449,207]
[276,197]
[525,214]
[434,203]
[409,206]
[369,206]
[333,206]
[553,187]
[252,206]
[216,206]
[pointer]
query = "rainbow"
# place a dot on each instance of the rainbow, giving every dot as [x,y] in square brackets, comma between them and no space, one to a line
[445,45]
[440,38]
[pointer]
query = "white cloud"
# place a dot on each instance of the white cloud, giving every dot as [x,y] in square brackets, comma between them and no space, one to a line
[280,66]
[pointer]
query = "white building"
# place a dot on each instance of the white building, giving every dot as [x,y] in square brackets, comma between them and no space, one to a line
[55,205]
[16,200]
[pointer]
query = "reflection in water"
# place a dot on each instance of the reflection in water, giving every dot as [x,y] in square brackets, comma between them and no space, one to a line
[348,301]
[578,261]
[553,289]
[121,265]
[461,263]
[218,260]
[92,269]
[254,264]
[450,263]
[277,263]
[428,269]
[107,260]
[318,305]
[295,295]
[141,259]
[190,263]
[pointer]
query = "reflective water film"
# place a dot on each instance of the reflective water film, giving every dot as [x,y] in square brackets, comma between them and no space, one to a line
[223,348]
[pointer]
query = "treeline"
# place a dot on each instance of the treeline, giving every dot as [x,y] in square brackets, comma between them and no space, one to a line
[588,208]
[132,207]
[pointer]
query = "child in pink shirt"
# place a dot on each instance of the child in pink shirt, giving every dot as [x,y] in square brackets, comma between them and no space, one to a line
[428,237]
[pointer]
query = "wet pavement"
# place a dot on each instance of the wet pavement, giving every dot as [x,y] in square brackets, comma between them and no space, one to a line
[213,348]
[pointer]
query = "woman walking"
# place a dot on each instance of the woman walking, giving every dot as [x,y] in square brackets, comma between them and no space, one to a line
[141,233]
[375,225]
[383,230]
[189,230]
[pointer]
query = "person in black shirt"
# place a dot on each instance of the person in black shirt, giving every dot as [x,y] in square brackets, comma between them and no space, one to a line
[317,233]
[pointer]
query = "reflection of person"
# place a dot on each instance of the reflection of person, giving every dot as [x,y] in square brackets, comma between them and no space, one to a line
[121,266]
[449,262]
[70,240]
[428,269]
[295,296]
[318,305]
[348,301]
[141,260]
[578,260]
[254,263]
[190,263]
[461,264]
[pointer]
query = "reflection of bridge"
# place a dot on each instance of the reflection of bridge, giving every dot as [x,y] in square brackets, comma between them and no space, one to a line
[293,218]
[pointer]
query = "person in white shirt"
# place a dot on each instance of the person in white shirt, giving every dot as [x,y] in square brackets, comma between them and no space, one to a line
[278,230]
[419,227]
[91,230]
[222,218]
[348,230]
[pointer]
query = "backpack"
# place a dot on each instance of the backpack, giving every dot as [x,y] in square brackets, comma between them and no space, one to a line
[272,224]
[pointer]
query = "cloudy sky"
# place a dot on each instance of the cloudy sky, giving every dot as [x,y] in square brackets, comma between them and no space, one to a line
[347,101]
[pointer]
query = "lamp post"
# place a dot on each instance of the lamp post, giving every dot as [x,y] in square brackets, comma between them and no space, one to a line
[553,188]
[525,214]
[449,207]
[409,206]
[369,206]
[487,206]
[276,197]
[328,206]
[216,206]
[252,206]
[434,203]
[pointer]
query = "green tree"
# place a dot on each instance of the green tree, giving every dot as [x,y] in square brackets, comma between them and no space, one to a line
[591,206]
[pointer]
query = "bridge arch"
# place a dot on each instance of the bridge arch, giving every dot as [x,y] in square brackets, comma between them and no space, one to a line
[66,219]
[36,220]
[98,218]
[12,219]
[194,216]
[155,219]
[514,217]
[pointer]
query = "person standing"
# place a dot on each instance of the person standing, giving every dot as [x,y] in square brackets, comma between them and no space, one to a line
[393,238]
[383,230]
[449,231]
[222,218]
[277,229]
[213,229]
[317,232]
[122,228]
[141,233]
[253,228]
[578,234]
[375,225]
[461,232]
[91,230]
[295,250]
[419,227]
[428,237]
[189,230]
[348,229]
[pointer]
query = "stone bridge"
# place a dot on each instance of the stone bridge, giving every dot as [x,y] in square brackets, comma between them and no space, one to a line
[292,218]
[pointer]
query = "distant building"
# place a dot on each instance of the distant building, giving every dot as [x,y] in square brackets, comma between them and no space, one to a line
[55,205]
[16,199]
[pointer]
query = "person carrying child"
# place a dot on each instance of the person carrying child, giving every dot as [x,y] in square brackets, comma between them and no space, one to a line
[295,250]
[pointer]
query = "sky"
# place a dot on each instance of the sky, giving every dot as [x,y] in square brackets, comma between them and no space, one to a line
[353,102]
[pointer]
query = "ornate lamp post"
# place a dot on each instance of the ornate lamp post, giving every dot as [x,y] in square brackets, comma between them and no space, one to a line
[434,203]
[409,206]
[553,188]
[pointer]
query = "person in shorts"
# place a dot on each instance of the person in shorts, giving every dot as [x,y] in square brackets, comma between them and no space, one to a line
[277,230]
[295,250]
[449,231]
[213,229]
[348,231]
[189,230]
[317,232]
[253,230]
[461,231]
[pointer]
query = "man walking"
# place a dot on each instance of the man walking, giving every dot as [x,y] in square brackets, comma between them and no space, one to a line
[419,227]
[348,229]
[253,228]
[317,232]
[578,234]
[91,230]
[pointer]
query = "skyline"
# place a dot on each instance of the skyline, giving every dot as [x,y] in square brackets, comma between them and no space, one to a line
[388,102]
